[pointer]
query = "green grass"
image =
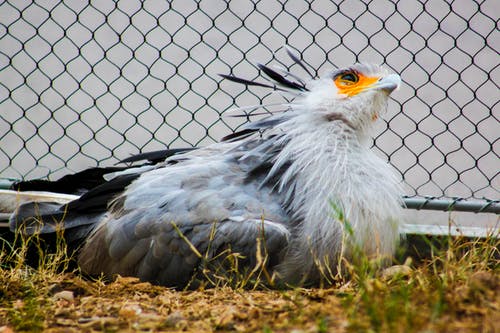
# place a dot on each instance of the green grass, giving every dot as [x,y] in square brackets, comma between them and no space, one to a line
[459,281]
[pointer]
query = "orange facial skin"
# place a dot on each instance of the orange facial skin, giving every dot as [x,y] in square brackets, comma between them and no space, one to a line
[352,83]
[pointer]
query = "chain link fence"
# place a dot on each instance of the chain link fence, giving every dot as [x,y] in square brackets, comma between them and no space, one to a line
[89,83]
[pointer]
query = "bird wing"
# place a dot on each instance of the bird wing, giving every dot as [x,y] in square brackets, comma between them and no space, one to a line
[172,219]
[171,254]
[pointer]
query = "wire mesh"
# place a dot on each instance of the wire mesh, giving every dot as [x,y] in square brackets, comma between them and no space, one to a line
[89,83]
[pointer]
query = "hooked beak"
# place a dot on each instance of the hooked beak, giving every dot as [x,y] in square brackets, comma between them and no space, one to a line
[388,83]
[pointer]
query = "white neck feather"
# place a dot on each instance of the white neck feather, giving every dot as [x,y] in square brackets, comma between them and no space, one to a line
[332,166]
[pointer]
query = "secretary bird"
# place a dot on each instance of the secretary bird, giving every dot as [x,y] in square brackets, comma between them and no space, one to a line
[300,188]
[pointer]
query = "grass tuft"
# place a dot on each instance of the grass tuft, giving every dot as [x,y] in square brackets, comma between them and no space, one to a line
[458,282]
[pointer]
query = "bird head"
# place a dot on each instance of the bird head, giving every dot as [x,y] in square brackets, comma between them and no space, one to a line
[355,96]
[351,98]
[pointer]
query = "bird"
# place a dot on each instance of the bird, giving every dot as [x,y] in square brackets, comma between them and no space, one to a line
[296,192]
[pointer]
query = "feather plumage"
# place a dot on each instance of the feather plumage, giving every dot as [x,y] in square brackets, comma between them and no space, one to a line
[298,177]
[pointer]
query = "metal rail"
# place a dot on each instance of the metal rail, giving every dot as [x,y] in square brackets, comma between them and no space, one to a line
[455,204]
[418,203]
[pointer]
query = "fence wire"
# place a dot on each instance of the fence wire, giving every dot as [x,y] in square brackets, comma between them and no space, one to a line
[89,83]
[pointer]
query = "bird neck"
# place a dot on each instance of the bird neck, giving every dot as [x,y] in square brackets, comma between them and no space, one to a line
[334,178]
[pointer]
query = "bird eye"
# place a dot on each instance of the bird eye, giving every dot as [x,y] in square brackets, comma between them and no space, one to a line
[348,79]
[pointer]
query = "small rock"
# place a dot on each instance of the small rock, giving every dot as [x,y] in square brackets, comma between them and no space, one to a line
[174,318]
[226,319]
[18,304]
[55,288]
[396,271]
[6,329]
[483,280]
[64,295]
[130,311]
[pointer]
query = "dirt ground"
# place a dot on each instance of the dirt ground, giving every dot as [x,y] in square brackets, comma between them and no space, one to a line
[75,305]
[456,289]
[72,304]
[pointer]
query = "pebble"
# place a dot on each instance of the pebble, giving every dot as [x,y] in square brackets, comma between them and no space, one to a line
[64,295]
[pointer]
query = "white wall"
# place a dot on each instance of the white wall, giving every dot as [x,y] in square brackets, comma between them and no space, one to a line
[85,84]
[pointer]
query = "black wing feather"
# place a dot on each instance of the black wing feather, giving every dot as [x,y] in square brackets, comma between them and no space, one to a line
[97,199]
[76,183]
[156,156]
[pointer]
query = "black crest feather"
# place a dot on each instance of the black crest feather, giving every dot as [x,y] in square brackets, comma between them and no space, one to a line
[247,82]
[280,79]
[297,61]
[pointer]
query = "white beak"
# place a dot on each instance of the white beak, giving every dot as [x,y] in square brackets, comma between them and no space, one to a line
[388,83]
